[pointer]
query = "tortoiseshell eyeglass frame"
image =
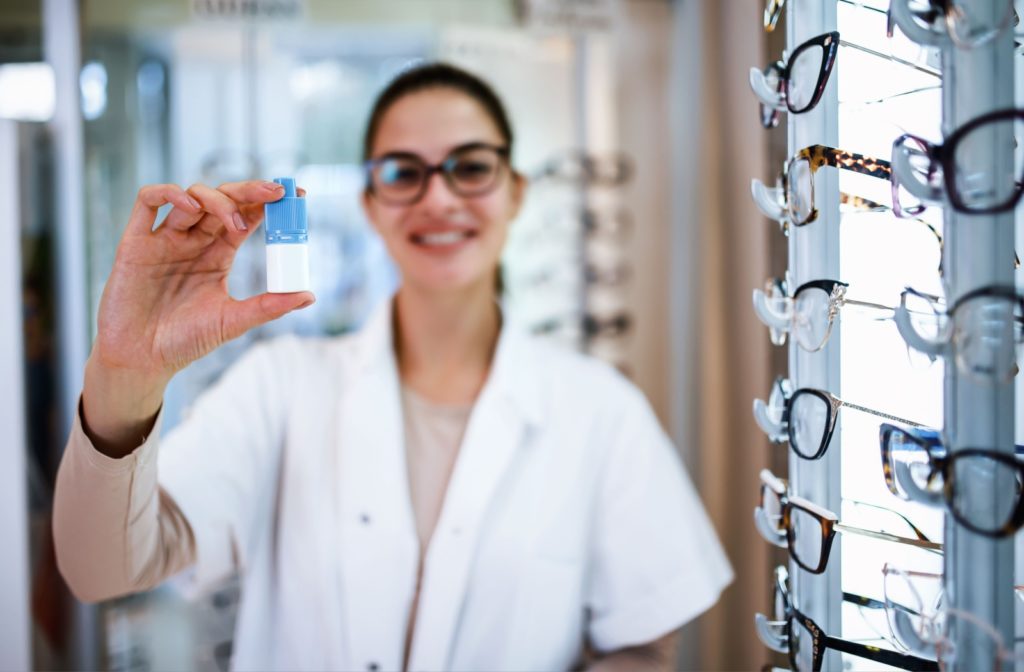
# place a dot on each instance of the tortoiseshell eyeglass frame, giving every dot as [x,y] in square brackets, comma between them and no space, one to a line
[941,463]
[817,156]
[944,156]
[772,12]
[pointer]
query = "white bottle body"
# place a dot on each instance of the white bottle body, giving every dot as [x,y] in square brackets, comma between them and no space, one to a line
[287,268]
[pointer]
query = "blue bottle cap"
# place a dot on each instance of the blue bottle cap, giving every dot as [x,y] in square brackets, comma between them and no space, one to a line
[285,219]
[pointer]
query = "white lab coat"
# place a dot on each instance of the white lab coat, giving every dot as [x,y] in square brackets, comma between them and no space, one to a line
[568,513]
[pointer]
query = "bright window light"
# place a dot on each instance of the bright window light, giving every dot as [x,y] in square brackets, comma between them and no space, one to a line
[27,91]
[93,82]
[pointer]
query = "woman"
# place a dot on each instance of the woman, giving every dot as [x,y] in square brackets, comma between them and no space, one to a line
[437,491]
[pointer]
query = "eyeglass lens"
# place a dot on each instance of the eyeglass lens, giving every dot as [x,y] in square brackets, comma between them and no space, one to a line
[800,190]
[987,164]
[927,317]
[994,494]
[987,333]
[811,313]
[806,543]
[471,171]
[972,24]
[804,70]
[809,417]
[910,606]
[801,646]
[902,448]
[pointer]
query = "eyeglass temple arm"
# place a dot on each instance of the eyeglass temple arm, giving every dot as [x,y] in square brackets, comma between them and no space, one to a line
[879,414]
[902,661]
[885,536]
[917,532]
[868,304]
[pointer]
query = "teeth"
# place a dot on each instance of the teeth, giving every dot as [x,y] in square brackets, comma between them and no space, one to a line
[447,238]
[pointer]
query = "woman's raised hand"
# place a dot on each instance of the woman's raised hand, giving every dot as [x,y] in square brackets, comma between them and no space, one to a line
[166,301]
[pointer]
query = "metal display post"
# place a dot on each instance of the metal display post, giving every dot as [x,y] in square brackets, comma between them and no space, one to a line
[814,254]
[978,413]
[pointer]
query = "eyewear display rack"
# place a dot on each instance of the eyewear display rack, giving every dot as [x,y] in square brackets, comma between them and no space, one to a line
[978,570]
[814,253]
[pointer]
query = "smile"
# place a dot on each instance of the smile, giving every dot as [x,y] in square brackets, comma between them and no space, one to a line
[444,239]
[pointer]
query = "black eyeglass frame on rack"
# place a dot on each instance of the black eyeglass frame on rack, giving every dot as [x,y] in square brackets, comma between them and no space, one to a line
[943,156]
[781,72]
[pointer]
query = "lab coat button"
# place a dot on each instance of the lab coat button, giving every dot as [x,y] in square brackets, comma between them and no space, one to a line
[373,667]
[364,519]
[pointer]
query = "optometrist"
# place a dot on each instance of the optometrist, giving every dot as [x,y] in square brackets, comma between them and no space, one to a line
[436,492]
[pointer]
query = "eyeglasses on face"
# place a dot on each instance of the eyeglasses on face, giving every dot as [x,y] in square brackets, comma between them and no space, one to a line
[810,313]
[775,633]
[401,178]
[810,529]
[806,417]
[797,83]
[932,469]
[975,183]
[798,177]
[982,330]
[920,20]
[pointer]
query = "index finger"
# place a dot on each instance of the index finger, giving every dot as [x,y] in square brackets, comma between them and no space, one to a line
[252,191]
[151,198]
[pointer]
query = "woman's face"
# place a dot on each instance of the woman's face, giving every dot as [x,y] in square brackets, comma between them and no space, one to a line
[443,241]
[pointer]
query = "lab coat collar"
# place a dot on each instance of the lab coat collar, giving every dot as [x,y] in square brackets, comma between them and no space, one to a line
[513,371]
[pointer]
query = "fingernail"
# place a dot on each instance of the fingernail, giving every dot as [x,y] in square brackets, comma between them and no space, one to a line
[273,186]
[239,222]
[194,203]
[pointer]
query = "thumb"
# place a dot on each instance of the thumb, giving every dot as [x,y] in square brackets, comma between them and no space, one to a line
[241,316]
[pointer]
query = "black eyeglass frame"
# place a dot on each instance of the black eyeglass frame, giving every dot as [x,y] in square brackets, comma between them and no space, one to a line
[445,168]
[829,43]
[943,156]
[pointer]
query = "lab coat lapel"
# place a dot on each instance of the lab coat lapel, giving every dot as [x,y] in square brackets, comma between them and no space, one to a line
[378,546]
[498,426]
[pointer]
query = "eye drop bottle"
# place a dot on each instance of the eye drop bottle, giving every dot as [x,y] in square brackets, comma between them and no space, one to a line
[286,235]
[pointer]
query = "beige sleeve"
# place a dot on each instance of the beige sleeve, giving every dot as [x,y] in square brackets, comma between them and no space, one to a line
[116,531]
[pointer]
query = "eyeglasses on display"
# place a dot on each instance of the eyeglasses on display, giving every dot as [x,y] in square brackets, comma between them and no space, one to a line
[587,326]
[775,633]
[401,178]
[806,417]
[797,83]
[798,177]
[929,22]
[982,330]
[931,470]
[976,179]
[805,643]
[810,313]
[581,167]
[810,529]
[921,621]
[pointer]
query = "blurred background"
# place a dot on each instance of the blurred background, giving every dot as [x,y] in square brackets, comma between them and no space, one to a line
[638,242]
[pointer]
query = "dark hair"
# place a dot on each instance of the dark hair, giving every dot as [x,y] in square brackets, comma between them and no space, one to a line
[432,76]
